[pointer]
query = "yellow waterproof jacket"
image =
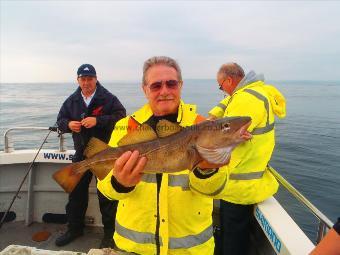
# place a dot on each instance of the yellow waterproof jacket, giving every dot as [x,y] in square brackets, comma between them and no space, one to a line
[185,216]
[249,181]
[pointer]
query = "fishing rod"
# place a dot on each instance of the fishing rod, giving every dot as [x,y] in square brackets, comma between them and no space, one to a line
[54,129]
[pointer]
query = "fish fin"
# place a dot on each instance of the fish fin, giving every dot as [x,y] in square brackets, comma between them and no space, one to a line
[100,170]
[166,128]
[94,146]
[215,156]
[68,177]
[194,157]
[143,133]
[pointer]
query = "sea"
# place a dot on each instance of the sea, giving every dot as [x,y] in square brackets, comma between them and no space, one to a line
[307,151]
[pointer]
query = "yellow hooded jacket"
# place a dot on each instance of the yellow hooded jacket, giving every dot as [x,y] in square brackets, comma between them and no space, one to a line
[185,216]
[249,181]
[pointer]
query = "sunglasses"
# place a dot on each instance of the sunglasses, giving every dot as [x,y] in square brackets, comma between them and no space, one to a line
[221,84]
[170,84]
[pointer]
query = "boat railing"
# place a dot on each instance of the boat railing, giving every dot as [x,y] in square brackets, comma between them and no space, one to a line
[9,144]
[324,223]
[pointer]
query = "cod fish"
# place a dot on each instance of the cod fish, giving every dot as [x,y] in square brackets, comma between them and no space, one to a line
[170,148]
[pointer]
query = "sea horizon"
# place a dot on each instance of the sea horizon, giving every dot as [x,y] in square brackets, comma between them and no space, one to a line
[336,82]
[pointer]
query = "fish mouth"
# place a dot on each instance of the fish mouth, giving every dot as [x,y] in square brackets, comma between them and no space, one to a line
[243,131]
[244,128]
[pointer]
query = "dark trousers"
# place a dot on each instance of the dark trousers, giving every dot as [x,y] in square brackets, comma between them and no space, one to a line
[235,227]
[78,202]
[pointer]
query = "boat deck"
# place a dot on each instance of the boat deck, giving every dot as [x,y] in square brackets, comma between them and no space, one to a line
[18,233]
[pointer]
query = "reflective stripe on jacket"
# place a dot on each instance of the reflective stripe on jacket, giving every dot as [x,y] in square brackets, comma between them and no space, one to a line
[185,216]
[249,181]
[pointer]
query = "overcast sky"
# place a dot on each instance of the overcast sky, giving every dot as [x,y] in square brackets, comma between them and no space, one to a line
[46,41]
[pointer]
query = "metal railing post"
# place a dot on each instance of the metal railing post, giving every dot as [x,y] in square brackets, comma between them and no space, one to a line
[8,144]
[62,146]
[322,230]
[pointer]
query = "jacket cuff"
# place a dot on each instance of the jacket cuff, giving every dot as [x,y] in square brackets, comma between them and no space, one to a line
[204,174]
[119,187]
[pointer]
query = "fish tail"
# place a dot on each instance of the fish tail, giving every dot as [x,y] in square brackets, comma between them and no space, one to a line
[69,176]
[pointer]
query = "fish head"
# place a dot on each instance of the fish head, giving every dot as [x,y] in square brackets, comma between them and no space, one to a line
[217,138]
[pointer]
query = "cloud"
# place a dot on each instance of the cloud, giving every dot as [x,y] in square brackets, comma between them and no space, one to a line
[47,41]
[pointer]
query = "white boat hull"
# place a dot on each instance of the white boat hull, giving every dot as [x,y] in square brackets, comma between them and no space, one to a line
[40,194]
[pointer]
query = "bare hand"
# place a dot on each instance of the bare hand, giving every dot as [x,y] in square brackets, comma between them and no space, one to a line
[89,122]
[128,168]
[75,126]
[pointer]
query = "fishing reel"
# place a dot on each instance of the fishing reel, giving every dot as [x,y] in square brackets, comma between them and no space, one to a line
[56,129]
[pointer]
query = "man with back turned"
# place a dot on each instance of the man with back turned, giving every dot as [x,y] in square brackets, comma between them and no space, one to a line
[91,111]
[250,181]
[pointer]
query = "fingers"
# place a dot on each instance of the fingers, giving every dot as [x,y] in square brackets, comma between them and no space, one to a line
[75,126]
[120,162]
[131,162]
[85,123]
[128,168]
[89,122]
[137,173]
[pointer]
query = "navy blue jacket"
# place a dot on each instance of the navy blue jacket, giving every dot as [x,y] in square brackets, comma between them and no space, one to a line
[104,106]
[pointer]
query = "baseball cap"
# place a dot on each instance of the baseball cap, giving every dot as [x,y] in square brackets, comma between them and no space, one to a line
[86,70]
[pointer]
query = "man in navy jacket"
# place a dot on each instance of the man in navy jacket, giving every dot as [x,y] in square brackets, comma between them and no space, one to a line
[91,111]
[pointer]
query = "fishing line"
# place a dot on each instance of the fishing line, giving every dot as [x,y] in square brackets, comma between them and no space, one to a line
[55,129]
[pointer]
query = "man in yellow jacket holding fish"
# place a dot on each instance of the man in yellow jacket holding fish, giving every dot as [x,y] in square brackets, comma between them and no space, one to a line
[250,181]
[161,213]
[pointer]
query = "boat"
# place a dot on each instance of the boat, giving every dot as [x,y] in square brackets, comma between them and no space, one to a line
[40,206]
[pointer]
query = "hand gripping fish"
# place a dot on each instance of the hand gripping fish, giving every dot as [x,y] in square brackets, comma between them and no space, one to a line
[171,148]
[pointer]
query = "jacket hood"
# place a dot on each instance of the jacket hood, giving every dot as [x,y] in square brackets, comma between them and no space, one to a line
[250,77]
[277,100]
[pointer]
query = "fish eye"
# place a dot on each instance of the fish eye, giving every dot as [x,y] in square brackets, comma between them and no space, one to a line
[226,128]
